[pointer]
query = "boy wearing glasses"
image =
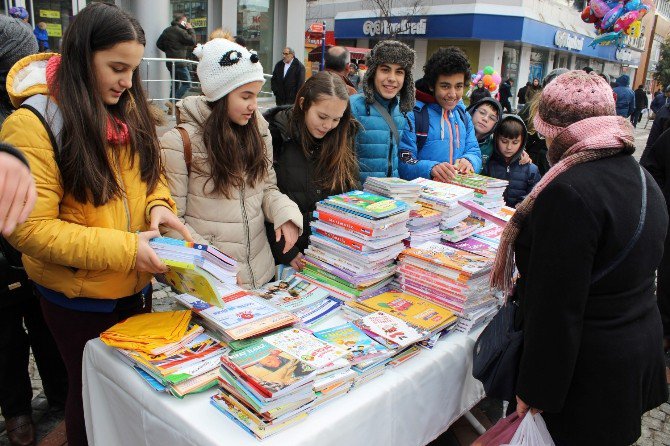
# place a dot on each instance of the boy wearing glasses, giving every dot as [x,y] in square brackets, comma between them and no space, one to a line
[440,140]
[486,114]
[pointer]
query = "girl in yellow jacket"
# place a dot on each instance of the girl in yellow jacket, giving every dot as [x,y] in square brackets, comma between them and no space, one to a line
[101,195]
[231,188]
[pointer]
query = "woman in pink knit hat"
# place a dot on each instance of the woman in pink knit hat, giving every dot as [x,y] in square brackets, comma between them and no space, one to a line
[587,241]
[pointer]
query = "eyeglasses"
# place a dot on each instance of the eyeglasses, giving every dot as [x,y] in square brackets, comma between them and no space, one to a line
[483,113]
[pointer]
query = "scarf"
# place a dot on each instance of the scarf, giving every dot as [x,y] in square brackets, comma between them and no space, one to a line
[117,130]
[583,141]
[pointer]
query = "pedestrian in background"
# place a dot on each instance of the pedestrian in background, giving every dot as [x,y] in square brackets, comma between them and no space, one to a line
[42,36]
[479,93]
[505,94]
[625,97]
[641,102]
[287,77]
[337,61]
[86,243]
[177,42]
[532,90]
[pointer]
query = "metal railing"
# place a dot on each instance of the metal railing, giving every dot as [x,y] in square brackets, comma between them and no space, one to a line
[152,72]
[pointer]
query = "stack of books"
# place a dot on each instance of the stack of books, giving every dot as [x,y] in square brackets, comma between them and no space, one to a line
[449,277]
[274,382]
[423,226]
[197,269]
[184,362]
[355,240]
[395,188]
[488,192]
[243,316]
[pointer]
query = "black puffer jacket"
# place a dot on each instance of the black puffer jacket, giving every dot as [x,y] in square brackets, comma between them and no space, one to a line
[176,42]
[295,178]
[522,177]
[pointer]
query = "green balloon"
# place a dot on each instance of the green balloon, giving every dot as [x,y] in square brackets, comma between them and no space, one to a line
[488,69]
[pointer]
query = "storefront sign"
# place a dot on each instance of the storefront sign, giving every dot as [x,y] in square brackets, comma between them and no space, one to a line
[49,14]
[384,27]
[624,55]
[562,39]
[200,22]
[55,30]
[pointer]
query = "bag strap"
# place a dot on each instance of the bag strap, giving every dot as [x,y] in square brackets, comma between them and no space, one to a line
[385,114]
[49,114]
[421,124]
[638,231]
[188,154]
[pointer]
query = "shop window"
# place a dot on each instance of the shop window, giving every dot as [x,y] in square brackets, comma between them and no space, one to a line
[255,22]
[56,15]
[510,63]
[197,16]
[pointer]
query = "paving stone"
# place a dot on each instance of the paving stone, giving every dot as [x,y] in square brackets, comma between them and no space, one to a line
[661,437]
[652,423]
[655,413]
[645,442]
[665,408]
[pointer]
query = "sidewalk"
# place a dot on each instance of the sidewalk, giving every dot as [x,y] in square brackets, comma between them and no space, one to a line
[655,424]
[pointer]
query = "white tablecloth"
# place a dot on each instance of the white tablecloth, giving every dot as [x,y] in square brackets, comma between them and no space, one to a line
[411,404]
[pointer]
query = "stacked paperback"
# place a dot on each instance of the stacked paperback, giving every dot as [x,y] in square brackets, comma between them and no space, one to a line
[355,240]
[488,192]
[395,188]
[166,353]
[197,269]
[423,226]
[243,316]
[449,277]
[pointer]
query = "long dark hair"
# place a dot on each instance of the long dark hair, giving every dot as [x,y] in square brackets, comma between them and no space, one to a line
[337,165]
[235,153]
[83,160]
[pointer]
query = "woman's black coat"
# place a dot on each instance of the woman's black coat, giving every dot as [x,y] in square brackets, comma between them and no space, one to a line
[593,353]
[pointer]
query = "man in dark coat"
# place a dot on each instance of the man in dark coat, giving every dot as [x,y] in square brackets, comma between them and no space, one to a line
[521,96]
[505,94]
[479,93]
[659,126]
[337,60]
[625,97]
[287,77]
[177,42]
[660,99]
[641,102]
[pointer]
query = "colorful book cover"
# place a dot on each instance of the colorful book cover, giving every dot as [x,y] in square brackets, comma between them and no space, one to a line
[193,280]
[367,203]
[292,293]
[359,345]
[241,310]
[475,246]
[442,255]
[478,182]
[390,328]
[270,368]
[411,309]
[306,347]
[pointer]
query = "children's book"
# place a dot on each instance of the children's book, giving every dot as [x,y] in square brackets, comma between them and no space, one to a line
[293,293]
[444,256]
[367,204]
[480,183]
[462,230]
[306,347]
[476,246]
[359,345]
[269,370]
[411,309]
[389,328]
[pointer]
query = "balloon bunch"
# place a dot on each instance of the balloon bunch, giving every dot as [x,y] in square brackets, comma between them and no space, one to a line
[615,18]
[488,76]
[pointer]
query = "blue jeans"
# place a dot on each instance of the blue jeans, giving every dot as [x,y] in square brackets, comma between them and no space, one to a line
[182,82]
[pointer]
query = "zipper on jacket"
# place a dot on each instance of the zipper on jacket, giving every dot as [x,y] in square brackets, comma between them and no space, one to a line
[389,161]
[248,237]
[124,198]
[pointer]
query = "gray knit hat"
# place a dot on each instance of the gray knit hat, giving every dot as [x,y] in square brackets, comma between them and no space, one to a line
[391,51]
[16,42]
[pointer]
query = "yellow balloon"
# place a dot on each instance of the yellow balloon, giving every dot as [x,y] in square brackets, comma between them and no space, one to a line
[635,29]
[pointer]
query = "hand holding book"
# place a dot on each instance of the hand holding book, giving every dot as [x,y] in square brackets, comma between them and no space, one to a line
[161,215]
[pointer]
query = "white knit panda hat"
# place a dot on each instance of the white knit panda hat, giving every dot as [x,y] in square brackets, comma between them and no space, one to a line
[224,66]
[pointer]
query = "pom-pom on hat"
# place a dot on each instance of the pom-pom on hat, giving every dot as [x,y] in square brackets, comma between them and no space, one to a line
[571,97]
[225,66]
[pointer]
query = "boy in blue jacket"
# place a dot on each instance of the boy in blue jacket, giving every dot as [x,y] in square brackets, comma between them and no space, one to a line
[448,144]
[388,95]
[509,140]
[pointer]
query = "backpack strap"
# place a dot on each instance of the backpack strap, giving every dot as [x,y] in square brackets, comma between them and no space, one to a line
[49,114]
[421,125]
[188,153]
[389,121]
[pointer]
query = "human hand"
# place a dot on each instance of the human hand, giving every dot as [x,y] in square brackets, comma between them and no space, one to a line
[147,261]
[522,408]
[161,215]
[464,166]
[17,192]
[525,158]
[290,232]
[443,172]
[298,263]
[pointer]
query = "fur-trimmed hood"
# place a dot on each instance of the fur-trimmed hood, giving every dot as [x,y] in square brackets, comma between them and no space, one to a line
[391,51]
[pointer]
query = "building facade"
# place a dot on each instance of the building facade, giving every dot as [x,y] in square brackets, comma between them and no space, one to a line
[521,39]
